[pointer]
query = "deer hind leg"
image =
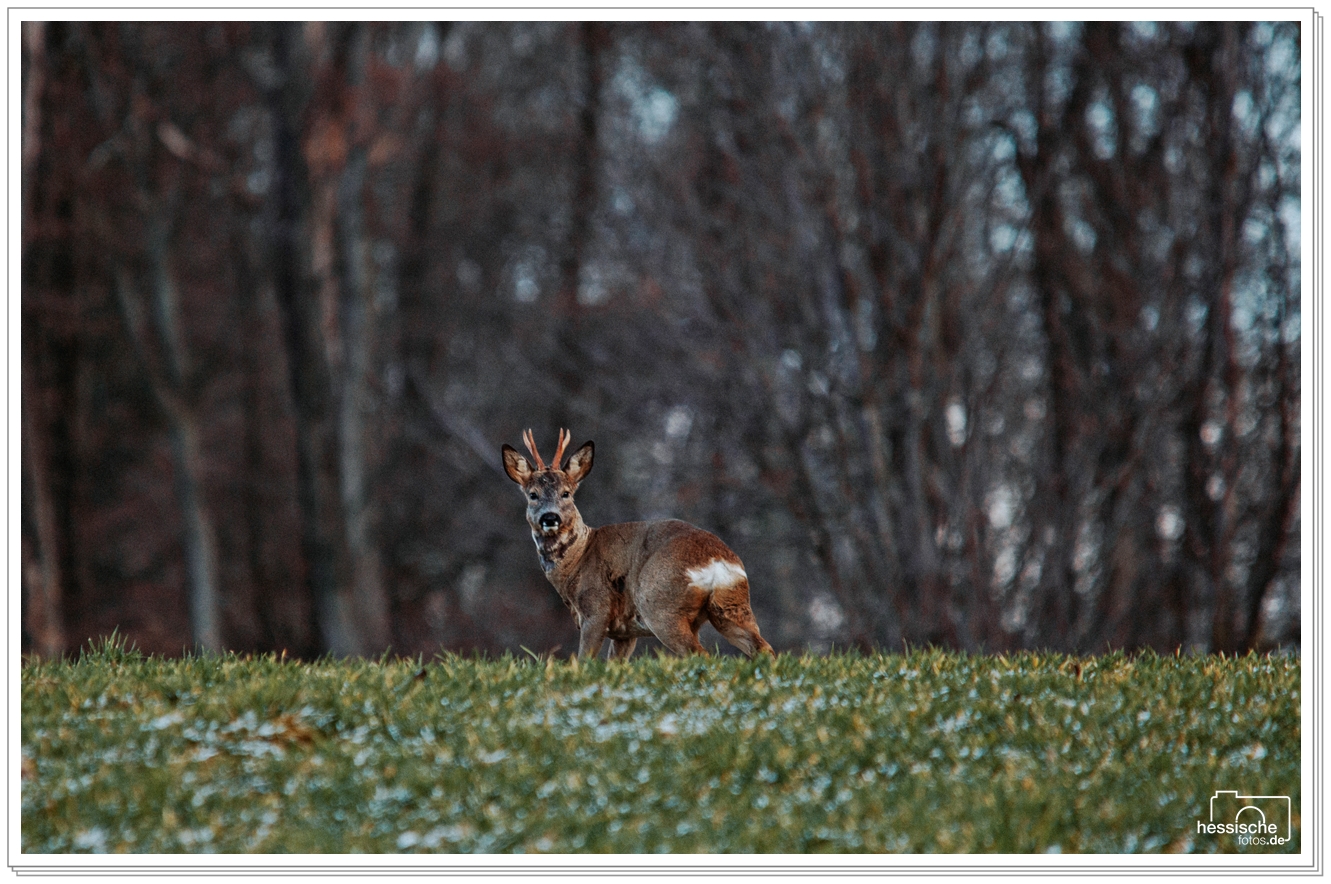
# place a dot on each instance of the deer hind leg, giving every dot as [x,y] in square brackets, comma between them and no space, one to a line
[730,613]
[677,632]
[621,648]
[670,607]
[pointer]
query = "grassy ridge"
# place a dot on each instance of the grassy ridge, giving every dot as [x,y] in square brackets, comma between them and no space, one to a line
[927,751]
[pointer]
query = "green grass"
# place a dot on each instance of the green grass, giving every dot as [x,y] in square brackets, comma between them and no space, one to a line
[922,752]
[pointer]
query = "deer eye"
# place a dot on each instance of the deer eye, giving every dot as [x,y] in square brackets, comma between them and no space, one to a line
[566,494]
[532,495]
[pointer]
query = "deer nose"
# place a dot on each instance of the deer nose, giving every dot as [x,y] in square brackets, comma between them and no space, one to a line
[549,520]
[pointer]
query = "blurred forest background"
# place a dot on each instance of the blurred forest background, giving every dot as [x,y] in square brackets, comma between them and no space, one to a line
[979,335]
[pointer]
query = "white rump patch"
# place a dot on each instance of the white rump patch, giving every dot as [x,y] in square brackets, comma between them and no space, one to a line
[716,574]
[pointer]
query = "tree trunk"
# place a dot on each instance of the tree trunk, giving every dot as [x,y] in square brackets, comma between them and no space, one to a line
[323,538]
[43,614]
[170,377]
[370,601]
[199,538]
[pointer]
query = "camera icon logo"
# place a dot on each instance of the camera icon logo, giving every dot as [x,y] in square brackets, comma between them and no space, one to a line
[1257,819]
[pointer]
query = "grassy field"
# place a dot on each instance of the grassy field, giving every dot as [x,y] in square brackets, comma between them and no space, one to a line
[921,752]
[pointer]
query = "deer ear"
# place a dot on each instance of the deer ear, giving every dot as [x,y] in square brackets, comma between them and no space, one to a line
[580,464]
[518,467]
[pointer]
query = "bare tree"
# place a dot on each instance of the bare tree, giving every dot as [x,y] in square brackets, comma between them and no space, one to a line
[42,578]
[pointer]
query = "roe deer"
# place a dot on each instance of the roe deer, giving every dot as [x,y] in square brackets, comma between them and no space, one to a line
[663,578]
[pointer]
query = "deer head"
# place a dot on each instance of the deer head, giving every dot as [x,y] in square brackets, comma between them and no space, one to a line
[549,489]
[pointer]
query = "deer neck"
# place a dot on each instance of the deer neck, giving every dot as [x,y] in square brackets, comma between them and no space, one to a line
[560,553]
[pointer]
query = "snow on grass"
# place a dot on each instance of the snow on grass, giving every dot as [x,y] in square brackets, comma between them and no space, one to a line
[922,752]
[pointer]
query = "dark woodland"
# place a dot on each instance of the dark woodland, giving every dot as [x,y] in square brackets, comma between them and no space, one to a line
[982,336]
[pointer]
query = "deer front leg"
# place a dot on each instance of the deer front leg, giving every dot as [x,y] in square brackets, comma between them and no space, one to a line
[592,636]
[621,648]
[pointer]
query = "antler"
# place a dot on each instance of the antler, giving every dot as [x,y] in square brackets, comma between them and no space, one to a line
[531,446]
[564,437]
